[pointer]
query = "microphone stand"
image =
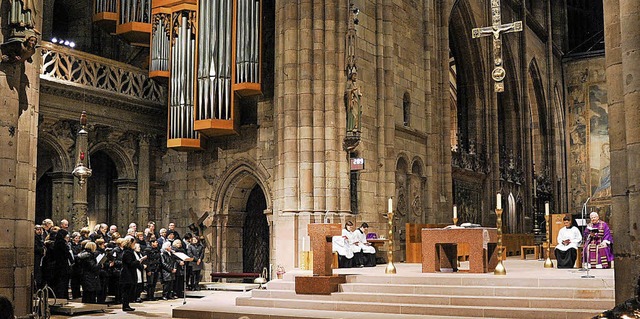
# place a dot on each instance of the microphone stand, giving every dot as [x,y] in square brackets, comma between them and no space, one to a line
[584,246]
[585,263]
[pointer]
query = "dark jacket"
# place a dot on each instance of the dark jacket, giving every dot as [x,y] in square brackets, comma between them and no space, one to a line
[197,252]
[129,266]
[168,264]
[90,271]
[153,259]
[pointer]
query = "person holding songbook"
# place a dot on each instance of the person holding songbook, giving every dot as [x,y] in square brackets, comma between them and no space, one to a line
[597,251]
[168,270]
[569,238]
[368,251]
[89,265]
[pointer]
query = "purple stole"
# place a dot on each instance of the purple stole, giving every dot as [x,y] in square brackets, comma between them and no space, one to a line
[595,253]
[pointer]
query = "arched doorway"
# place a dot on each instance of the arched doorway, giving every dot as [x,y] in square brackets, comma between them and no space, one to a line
[44,197]
[255,233]
[102,190]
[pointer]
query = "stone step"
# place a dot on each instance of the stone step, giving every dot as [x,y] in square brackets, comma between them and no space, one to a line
[285,313]
[420,309]
[531,292]
[456,300]
[464,280]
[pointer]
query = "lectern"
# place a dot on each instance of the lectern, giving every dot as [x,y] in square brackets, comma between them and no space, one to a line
[323,281]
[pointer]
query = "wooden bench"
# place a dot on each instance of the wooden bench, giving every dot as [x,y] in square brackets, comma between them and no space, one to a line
[240,275]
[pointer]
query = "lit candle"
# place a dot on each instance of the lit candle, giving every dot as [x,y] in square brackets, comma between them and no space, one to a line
[546,208]
[455,211]
[390,210]
[499,201]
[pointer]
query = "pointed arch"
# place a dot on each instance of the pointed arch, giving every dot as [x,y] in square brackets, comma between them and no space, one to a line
[540,129]
[61,159]
[235,176]
[124,163]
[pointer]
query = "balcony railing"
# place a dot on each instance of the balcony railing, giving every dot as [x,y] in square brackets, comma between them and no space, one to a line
[64,64]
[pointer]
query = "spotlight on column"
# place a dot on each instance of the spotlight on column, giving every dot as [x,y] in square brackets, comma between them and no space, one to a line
[54,40]
[66,42]
[72,44]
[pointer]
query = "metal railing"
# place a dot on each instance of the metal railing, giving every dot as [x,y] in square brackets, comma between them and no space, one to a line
[67,65]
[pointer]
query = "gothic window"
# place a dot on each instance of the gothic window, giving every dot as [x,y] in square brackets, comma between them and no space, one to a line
[406,109]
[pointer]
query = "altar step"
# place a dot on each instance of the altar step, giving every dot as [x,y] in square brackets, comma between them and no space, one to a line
[448,296]
[528,291]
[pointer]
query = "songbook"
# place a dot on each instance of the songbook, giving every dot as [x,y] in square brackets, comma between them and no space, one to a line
[101,258]
[182,256]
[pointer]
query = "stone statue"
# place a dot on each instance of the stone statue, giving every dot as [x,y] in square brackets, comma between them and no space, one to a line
[22,38]
[18,50]
[352,97]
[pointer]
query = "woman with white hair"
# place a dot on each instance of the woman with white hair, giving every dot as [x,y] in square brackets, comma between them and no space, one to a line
[128,276]
[168,268]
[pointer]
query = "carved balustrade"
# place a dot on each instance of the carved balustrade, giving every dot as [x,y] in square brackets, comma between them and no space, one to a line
[67,65]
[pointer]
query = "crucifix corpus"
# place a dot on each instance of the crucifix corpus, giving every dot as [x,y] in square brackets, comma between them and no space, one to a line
[495,29]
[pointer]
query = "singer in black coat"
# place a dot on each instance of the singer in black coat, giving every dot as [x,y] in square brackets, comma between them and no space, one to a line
[129,275]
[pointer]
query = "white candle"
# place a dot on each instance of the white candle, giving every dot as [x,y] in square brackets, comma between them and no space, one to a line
[390,206]
[499,201]
[546,208]
[455,211]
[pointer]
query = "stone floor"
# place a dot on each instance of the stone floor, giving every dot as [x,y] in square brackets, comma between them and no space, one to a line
[226,300]
[163,309]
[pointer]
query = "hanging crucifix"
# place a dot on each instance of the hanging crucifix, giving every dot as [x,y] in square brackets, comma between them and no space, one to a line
[495,29]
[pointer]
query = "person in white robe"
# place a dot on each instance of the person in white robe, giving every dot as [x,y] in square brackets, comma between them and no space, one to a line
[368,251]
[569,238]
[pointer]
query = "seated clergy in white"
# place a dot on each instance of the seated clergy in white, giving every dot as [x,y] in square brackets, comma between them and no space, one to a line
[354,242]
[340,245]
[368,251]
[569,238]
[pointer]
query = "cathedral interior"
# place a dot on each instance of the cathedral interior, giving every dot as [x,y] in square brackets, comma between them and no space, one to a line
[244,120]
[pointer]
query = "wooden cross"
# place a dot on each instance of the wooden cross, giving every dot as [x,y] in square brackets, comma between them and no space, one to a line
[495,29]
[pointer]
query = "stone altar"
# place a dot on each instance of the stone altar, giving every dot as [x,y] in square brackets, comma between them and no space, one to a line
[439,248]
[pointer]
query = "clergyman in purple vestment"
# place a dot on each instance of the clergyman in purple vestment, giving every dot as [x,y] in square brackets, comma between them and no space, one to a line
[597,245]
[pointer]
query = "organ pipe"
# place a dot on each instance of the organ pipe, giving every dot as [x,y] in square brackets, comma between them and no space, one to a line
[181,75]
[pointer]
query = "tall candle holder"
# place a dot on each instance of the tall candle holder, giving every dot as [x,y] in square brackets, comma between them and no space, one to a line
[455,221]
[391,269]
[548,263]
[499,270]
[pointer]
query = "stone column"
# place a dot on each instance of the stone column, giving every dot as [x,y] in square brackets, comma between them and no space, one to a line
[143,180]
[19,102]
[62,206]
[626,217]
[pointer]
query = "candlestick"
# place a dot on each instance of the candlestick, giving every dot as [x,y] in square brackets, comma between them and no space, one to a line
[499,270]
[546,208]
[548,263]
[499,201]
[391,268]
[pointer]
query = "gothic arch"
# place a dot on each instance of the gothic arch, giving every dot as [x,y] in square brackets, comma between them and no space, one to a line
[467,57]
[243,174]
[124,164]
[539,117]
[62,161]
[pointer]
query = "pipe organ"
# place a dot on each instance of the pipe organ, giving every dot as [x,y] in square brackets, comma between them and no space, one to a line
[181,133]
[134,21]
[228,62]
[105,14]
[160,42]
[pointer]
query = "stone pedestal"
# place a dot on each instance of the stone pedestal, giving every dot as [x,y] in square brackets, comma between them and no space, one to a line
[319,285]
[323,282]
[320,236]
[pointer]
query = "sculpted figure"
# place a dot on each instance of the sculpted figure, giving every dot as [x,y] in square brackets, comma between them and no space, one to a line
[353,104]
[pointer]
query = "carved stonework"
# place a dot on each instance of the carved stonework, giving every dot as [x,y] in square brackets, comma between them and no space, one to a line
[467,197]
[63,130]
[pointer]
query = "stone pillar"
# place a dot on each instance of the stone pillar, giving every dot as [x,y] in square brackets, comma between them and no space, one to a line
[143,181]
[625,215]
[19,102]
[126,207]
[62,206]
